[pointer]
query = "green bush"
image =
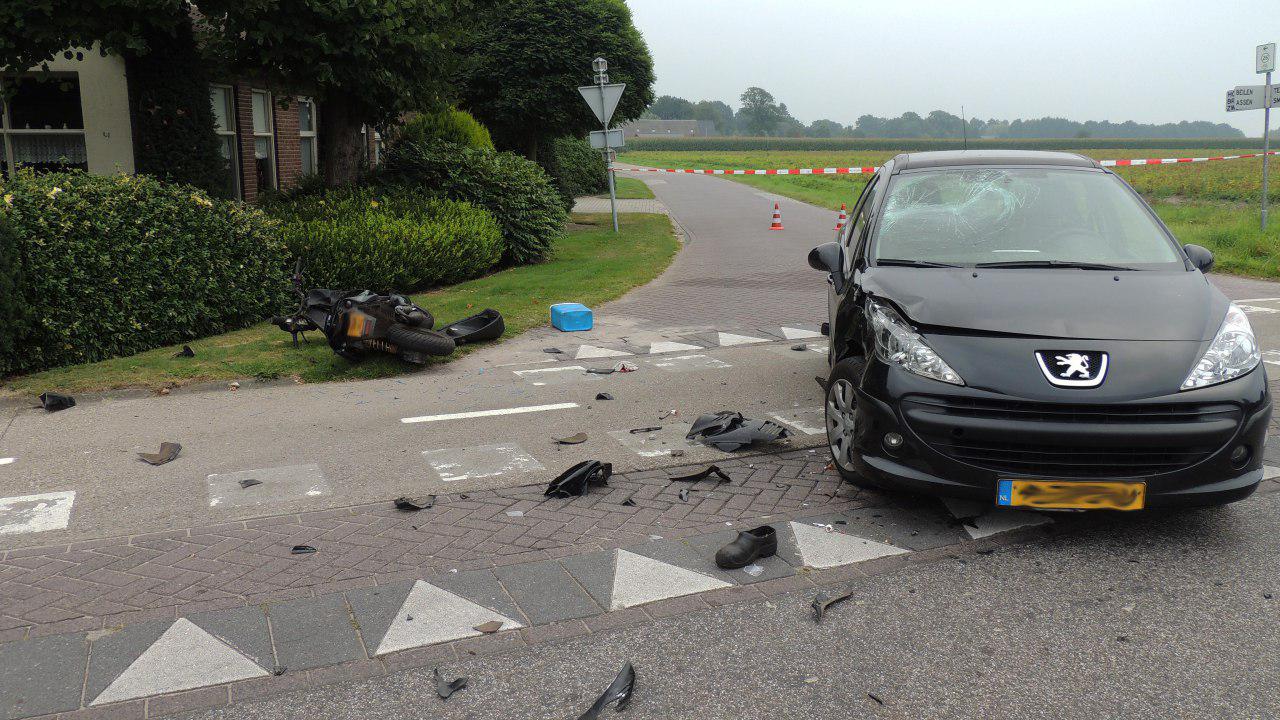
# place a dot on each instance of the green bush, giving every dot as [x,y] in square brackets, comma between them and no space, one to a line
[389,241]
[447,125]
[517,191]
[575,167]
[10,307]
[116,265]
[717,144]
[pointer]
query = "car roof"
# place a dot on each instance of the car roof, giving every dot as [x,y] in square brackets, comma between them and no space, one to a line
[963,158]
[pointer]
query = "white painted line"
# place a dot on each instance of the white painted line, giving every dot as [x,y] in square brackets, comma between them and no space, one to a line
[526,362]
[791,333]
[481,461]
[1257,309]
[668,347]
[185,657]
[586,352]
[729,339]
[36,513]
[1269,471]
[1249,300]
[822,549]
[430,616]
[638,580]
[7,461]
[809,421]
[491,413]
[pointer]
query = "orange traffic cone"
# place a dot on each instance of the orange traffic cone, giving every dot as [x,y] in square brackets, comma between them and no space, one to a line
[777,218]
[844,218]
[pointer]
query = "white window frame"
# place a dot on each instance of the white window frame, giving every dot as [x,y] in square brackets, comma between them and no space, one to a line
[269,134]
[223,133]
[7,131]
[315,141]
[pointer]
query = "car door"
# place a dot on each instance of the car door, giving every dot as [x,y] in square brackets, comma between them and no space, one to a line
[852,244]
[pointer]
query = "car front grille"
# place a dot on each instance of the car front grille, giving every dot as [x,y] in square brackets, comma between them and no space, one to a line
[1071,440]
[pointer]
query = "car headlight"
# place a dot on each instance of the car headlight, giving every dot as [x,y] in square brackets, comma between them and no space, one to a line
[1233,352]
[898,344]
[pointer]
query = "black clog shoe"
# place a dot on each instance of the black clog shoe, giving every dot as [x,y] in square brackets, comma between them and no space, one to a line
[750,546]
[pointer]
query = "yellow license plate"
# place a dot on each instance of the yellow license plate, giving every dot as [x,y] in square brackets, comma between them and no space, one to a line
[356,324]
[1059,495]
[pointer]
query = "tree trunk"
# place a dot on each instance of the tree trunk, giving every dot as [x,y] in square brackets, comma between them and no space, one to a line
[531,146]
[342,146]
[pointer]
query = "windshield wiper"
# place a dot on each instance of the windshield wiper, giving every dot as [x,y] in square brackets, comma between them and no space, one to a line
[913,263]
[1051,264]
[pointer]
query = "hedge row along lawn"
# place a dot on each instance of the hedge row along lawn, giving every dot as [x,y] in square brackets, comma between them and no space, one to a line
[590,265]
[1214,204]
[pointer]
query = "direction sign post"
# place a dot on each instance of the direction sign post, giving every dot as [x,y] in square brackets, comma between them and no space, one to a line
[603,98]
[1260,97]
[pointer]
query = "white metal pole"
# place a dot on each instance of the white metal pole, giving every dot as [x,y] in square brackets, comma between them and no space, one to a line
[608,160]
[1266,145]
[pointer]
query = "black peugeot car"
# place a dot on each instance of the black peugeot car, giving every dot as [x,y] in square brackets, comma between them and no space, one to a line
[1020,328]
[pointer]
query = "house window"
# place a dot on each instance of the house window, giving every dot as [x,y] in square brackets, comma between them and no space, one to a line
[224,115]
[264,141]
[41,123]
[307,136]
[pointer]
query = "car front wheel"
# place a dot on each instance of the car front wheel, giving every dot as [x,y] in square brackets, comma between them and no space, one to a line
[841,415]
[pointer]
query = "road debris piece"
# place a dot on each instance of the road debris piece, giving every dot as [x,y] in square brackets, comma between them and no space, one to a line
[749,546]
[492,626]
[822,601]
[412,504]
[703,475]
[445,688]
[728,431]
[302,550]
[572,439]
[279,670]
[632,503]
[168,451]
[619,692]
[684,494]
[668,414]
[247,483]
[799,347]
[234,386]
[515,513]
[637,431]
[553,351]
[574,481]
[625,367]
[53,402]
[484,325]
[678,452]
[875,697]
[822,382]
[604,396]
[601,371]
[753,570]
[186,351]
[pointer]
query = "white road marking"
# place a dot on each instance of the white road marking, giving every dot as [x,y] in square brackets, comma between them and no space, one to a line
[638,580]
[668,347]
[729,339]
[495,413]
[1253,300]
[36,513]
[481,461]
[586,352]
[288,483]
[183,658]
[822,549]
[658,442]
[810,421]
[681,363]
[7,461]
[1269,471]
[798,333]
[437,616]
[1257,310]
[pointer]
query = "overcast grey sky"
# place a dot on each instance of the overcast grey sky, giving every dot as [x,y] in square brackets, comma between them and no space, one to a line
[1142,60]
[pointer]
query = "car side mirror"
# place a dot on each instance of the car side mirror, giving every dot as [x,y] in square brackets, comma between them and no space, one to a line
[1199,256]
[826,257]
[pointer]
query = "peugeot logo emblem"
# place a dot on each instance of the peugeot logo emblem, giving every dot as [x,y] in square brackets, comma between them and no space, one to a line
[1073,368]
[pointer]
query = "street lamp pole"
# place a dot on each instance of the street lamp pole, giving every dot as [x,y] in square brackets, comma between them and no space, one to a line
[601,67]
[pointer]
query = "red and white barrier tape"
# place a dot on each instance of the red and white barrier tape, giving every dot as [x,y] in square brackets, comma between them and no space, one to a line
[871,170]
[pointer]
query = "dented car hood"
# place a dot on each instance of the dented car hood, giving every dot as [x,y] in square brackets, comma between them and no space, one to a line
[1059,303]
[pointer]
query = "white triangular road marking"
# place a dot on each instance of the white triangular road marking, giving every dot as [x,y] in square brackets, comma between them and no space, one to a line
[184,657]
[591,351]
[728,339]
[798,334]
[638,580]
[822,549]
[667,347]
[438,616]
[983,520]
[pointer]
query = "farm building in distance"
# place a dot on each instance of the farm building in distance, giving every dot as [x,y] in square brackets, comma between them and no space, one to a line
[669,128]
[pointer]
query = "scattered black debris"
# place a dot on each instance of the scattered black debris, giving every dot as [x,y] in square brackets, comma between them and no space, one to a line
[986,551]
[822,382]
[484,325]
[619,692]
[703,475]
[247,483]
[168,451]
[684,494]
[799,347]
[464,496]
[553,351]
[53,402]
[186,351]
[875,697]
[412,504]
[668,413]
[728,431]
[1122,638]
[604,396]
[572,439]
[279,670]
[574,481]
[1266,596]
[628,502]
[601,371]
[445,688]
[302,550]
[492,626]
[822,601]
[840,522]
[637,431]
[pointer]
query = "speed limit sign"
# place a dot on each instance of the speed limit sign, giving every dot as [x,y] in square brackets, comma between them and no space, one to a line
[1266,58]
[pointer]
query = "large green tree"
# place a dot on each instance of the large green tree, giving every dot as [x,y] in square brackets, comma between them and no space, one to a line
[760,113]
[670,107]
[32,32]
[524,60]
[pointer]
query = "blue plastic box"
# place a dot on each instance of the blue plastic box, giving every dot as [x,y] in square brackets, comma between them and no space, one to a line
[570,317]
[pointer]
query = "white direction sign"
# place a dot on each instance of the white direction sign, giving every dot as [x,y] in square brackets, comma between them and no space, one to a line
[1266,55]
[1247,97]
[615,139]
[603,99]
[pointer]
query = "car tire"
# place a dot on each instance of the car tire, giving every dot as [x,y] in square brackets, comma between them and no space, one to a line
[839,411]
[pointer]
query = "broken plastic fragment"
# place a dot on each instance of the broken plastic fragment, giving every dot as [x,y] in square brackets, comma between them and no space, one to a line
[53,402]
[445,688]
[799,347]
[753,570]
[637,431]
[625,367]
[410,504]
[628,502]
[728,431]
[553,350]
[873,696]
[604,396]
[703,475]
[302,550]
[601,371]
[822,601]
[572,439]
[574,481]
[492,626]
[247,483]
[619,692]
[168,451]
[279,670]
[186,351]
[684,494]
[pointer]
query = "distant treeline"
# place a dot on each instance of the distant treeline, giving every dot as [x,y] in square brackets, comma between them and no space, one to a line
[761,115]
[718,144]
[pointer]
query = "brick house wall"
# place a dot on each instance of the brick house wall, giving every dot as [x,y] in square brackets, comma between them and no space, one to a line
[288,153]
[288,149]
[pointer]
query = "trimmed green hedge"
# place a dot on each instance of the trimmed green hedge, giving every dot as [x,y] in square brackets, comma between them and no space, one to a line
[116,265]
[715,144]
[575,167]
[389,241]
[517,191]
[448,125]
